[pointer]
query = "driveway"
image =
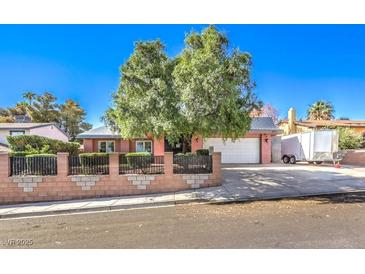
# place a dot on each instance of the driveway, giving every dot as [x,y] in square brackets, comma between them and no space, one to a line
[279,180]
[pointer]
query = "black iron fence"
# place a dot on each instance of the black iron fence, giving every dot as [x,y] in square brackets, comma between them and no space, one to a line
[141,164]
[33,165]
[192,164]
[88,165]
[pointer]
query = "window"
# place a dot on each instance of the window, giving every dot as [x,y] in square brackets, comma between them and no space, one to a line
[106,146]
[144,146]
[17,132]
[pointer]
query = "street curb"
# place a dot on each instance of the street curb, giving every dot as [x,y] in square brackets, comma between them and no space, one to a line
[167,203]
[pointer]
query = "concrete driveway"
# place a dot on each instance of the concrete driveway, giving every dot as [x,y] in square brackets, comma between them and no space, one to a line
[279,180]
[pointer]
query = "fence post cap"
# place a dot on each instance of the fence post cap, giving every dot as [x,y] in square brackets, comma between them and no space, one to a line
[168,153]
[113,153]
[63,153]
[4,152]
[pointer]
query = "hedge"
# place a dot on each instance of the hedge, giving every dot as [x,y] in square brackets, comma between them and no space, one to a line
[93,154]
[139,160]
[18,144]
[202,152]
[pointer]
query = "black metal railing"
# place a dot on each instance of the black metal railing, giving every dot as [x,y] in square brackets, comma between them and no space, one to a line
[88,165]
[33,165]
[141,164]
[192,164]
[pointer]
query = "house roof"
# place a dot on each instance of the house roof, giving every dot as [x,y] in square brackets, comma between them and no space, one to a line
[23,125]
[15,126]
[257,124]
[263,124]
[98,133]
[325,123]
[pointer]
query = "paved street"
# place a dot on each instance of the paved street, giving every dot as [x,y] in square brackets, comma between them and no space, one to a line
[330,222]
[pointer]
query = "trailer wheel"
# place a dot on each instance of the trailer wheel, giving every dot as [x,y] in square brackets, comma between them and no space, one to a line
[292,160]
[286,159]
[318,162]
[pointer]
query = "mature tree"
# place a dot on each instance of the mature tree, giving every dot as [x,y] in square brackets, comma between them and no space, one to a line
[205,90]
[320,110]
[267,111]
[72,118]
[29,95]
[145,100]
[44,108]
[214,86]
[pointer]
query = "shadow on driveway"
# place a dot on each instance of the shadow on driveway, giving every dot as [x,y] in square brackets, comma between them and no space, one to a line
[281,181]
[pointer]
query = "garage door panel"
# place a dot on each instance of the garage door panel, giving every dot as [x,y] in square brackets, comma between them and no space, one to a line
[243,150]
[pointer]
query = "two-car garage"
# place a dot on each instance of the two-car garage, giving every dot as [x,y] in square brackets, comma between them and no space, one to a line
[243,150]
[253,147]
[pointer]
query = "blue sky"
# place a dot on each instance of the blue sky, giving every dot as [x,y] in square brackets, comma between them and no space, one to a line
[293,65]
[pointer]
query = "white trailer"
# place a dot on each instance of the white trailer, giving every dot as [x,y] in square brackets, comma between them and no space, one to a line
[312,146]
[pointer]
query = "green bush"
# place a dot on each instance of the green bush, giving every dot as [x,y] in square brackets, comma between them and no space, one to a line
[349,139]
[40,155]
[92,160]
[93,154]
[139,160]
[41,166]
[33,144]
[184,154]
[202,152]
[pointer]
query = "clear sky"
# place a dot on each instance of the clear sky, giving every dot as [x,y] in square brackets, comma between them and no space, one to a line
[293,65]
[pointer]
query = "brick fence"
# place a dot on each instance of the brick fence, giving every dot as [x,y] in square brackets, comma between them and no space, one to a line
[354,157]
[14,189]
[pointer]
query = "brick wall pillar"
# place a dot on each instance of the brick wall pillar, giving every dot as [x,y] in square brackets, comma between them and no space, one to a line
[114,164]
[265,149]
[196,143]
[217,156]
[4,165]
[62,164]
[168,163]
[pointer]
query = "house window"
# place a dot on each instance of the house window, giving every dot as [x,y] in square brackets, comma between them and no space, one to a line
[17,132]
[144,146]
[106,146]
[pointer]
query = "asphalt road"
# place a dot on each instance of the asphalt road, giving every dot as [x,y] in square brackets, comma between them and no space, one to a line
[327,222]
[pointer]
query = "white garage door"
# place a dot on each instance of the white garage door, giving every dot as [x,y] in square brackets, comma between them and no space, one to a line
[243,150]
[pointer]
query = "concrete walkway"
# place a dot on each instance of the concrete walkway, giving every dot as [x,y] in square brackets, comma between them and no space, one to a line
[240,183]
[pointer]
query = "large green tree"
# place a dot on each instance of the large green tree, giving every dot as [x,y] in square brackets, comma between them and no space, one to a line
[145,101]
[72,119]
[205,90]
[44,109]
[320,110]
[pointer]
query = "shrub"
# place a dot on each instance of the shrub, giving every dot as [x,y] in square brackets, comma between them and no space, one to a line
[349,139]
[93,154]
[91,159]
[139,160]
[202,152]
[41,164]
[38,144]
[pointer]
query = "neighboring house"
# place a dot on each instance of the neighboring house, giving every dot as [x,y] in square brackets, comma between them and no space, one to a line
[253,147]
[49,130]
[292,125]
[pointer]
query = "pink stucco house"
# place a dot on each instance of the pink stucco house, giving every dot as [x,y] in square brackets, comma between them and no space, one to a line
[49,130]
[253,147]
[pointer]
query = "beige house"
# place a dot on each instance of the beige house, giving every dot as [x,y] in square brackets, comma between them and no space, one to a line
[49,130]
[292,125]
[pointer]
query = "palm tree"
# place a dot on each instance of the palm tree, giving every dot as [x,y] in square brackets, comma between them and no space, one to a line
[320,110]
[30,96]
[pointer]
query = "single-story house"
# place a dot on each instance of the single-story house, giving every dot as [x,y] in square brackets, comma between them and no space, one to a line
[292,125]
[49,130]
[253,147]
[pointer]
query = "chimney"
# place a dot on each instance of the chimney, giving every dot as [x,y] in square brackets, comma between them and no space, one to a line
[292,117]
